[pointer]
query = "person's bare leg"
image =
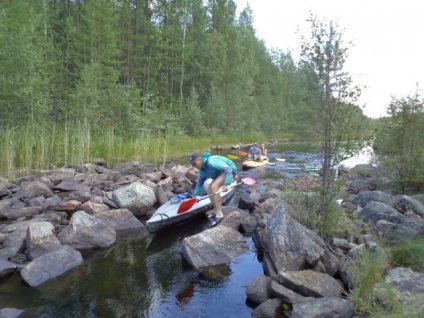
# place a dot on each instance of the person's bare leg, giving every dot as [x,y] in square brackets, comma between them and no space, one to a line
[216,199]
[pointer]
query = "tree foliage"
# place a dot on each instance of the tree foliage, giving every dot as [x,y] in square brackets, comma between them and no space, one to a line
[182,66]
[401,141]
[324,55]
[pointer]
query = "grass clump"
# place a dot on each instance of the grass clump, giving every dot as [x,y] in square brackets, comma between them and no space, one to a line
[409,253]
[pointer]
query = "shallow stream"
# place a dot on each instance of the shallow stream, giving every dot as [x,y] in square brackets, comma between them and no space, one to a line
[143,275]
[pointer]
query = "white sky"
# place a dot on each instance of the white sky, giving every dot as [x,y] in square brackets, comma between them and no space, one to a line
[388,37]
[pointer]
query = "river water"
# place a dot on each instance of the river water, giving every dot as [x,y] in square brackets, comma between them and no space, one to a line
[144,275]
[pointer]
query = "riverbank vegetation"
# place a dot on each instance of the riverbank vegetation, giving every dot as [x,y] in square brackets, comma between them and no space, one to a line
[38,147]
[84,79]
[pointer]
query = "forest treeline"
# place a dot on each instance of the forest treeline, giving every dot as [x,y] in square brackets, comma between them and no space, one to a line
[180,67]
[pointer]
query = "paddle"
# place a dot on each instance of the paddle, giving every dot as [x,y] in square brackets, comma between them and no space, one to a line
[186,205]
[280,159]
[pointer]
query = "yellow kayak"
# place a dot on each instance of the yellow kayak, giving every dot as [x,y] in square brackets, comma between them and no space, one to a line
[249,164]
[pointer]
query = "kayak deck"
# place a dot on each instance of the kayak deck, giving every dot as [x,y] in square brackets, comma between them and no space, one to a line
[167,214]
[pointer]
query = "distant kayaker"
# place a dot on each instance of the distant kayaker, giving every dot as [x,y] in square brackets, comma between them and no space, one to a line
[254,152]
[222,171]
[264,152]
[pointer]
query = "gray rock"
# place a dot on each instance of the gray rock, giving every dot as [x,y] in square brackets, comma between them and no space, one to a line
[72,186]
[287,295]
[34,189]
[408,204]
[59,175]
[85,232]
[40,239]
[367,196]
[22,212]
[232,220]
[94,205]
[13,244]
[248,201]
[334,307]
[6,268]
[135,197]
[167,184]
[408,288]
[215,246]
[259,289]
[51,265]
[161,195]
[135,168]
[249,224]
[375,211]
[309,283]
[270,308]
[94,180]
[291,246]
[394,233]
[120,220]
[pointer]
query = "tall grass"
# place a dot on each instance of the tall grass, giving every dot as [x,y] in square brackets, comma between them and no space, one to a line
[7,153]
[409,253]
[371,294]
[367,273]
[29,147]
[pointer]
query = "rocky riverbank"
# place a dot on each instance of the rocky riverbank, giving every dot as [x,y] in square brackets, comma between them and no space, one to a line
[50,216]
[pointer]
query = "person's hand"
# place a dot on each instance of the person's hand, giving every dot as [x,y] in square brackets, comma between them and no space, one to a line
[235,178]
[224,188]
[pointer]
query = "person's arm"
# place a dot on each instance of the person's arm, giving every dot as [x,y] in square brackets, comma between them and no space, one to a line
[199,187]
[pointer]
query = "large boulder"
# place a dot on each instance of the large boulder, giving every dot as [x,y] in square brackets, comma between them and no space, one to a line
[408,204]
[367,196]
[269,308]
[259,289]
[334,307]
[309,283]
[290,245]
[41,239]
[85,232]
[406,285]
[136,197]
[219,245]
[120,220]
[375,211]
[51,265]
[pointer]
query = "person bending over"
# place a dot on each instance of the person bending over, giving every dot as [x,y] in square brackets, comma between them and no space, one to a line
[221,170]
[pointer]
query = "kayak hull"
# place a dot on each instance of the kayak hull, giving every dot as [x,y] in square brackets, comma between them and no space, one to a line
[250,164]
[167,215]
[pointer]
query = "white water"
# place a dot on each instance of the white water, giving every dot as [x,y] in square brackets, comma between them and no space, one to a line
[364,156]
